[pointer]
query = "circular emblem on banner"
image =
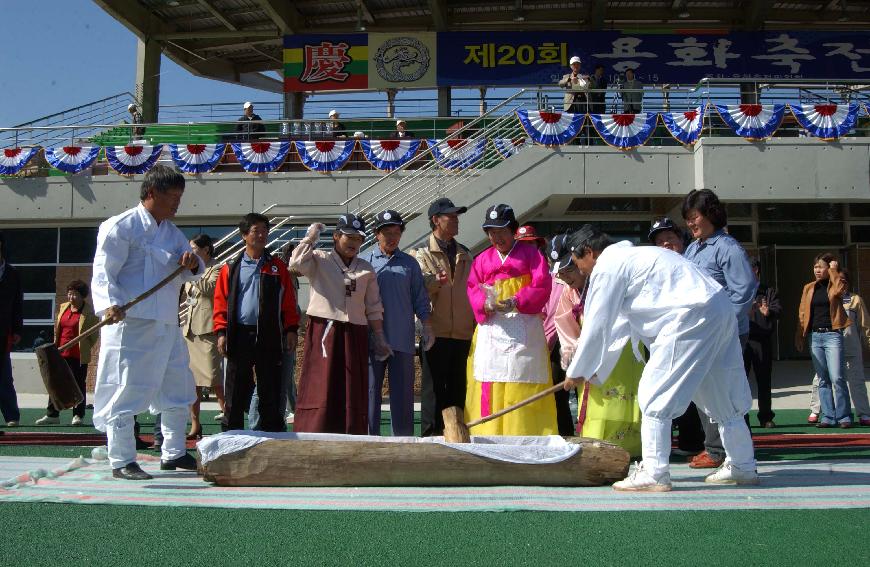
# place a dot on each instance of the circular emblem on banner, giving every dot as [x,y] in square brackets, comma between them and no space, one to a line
[356,224]
[402,60]
[387,216]
[554,255]
[493,215]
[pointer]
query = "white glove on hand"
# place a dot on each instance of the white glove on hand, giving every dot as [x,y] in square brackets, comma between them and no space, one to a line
[567,356]
[314,231]
[428,336]
[382,348]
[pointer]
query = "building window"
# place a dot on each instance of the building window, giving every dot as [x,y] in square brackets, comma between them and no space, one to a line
[741,232]
[77,245]
[583,205]
[801,233]
[31,245]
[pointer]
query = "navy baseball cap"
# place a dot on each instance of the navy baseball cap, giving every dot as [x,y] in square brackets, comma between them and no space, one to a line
[351,224]
[386,218]
[444,206]
[559,253]
[662,225]
[499,216]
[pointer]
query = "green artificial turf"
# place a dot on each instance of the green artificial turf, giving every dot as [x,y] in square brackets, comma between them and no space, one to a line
[49,534]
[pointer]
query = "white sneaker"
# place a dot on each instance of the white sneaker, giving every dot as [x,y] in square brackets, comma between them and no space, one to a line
[290,417]
[639,480]
[46,420]
[219,416]
[729,474]
[76,421]
[12,423]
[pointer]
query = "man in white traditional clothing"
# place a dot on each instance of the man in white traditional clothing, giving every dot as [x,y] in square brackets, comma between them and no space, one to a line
[653,295]
[143,360]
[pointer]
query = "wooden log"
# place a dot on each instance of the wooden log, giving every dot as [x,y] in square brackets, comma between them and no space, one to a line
[455,430]
[286,462]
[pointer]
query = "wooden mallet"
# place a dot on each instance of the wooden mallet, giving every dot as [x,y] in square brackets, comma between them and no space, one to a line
[63,392]
[457,431]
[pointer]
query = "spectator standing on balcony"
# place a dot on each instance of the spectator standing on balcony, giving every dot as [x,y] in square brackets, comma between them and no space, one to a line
[250,124]
[143,361]
[198,329]
[822,315]
[403,294]
[446,264]
[73,317]
[722,258]
[135,118]
[11,326]
[597,88]
[344,305]
[401,131]
[690,440]
[577,84]
[338,129]
[254,317]
[854,336]
[758,353]
[632,93]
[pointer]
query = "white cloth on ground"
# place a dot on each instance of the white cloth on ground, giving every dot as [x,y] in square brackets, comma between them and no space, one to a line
[524,450]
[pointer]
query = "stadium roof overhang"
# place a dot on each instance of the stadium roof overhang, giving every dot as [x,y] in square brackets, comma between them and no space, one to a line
[240,41]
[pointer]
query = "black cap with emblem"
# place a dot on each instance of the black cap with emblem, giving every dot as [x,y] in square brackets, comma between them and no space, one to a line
[662,225]
[386,218]
[559,253]
[444,206]
[578,239]
[351,224]
[499,216]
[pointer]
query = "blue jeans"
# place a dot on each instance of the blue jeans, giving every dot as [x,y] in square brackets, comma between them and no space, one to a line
[288,367]
[830,365]
[8,396]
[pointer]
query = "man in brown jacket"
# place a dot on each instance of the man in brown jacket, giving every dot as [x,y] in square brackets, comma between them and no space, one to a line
[446,265]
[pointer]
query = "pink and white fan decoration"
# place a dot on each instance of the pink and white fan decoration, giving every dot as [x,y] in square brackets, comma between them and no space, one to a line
[13,160]
[507,147]
[197,158]
[827,122]
[388,155]
[550,128]
[326,155]
[686,126]
[754,122]
[72,159]
[625,131]
[133,160]
[261,157]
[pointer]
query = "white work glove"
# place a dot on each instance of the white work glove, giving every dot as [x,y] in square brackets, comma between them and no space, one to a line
[314,231]
[567,356]
[382,348]
[507,305]
[428,336]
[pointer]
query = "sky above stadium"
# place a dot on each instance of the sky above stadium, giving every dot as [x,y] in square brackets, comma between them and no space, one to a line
[59,54]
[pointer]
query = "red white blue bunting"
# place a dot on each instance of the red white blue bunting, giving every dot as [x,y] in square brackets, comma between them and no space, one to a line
[507,147]
[197,158]
[261,157]
[458,154]
[625,131]
[13,160]
[325,155]
[685,127]
[826,121]
[72,159]
[550,128]
[752,121]
[132,160]
[388,155]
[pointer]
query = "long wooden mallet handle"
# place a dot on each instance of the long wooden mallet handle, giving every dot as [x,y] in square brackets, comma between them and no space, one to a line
[542,394]
[125,307]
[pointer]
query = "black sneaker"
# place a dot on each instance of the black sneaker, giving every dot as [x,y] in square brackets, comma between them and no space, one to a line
[185,462]
[131,472]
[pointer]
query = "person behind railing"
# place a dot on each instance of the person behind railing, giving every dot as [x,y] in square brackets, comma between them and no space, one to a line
[335,126]
[344,305]
[250,125]
[575,99]
[135,118]
[632,93]
[401,131]
[597,88]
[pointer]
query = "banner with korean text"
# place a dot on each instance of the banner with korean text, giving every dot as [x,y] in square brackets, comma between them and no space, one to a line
[470,59]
